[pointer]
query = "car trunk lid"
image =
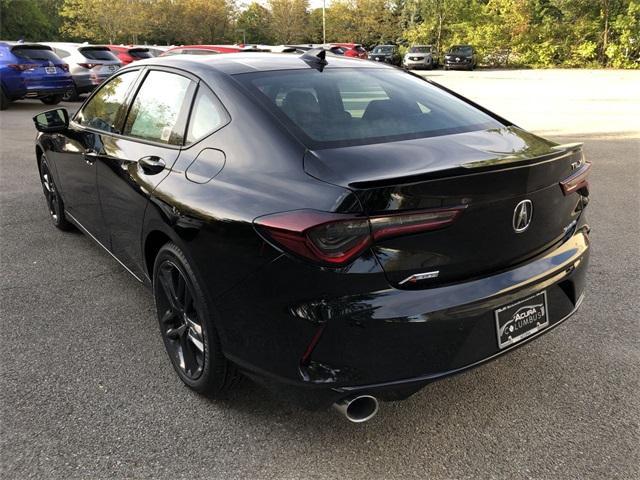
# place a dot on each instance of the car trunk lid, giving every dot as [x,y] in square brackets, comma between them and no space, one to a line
[488,173]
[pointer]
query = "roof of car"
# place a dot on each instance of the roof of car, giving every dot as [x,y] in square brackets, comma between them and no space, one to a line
[253,62]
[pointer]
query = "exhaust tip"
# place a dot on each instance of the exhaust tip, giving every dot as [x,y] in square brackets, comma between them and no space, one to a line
[358,409]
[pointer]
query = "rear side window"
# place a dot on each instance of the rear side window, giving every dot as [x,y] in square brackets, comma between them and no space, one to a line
[98,54]
[62,53]
[355,106]
[101,112]
[35,54]
[160,108]
[208,115]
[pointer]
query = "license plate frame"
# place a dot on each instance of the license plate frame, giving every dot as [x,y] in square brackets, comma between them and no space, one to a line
[50,70]
[521,319]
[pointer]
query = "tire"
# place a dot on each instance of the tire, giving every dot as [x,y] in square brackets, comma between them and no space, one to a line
[71,95]
[52,196]
[4,100]
[51,99]
[446,67]
[187,325]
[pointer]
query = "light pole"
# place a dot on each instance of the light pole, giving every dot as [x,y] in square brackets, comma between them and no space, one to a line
[324,30]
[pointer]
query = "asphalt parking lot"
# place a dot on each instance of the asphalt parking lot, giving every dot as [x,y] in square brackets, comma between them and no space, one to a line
[86,390]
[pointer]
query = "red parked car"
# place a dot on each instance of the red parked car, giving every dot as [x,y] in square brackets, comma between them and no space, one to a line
[354,50]
[202,50]
[129,53]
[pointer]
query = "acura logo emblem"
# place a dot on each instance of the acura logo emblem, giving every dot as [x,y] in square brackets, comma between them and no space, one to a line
[522,216]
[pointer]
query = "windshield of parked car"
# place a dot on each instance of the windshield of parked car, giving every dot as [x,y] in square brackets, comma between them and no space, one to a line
[348,106]
[419,49]
[29,53]
[461,50]
[383,49]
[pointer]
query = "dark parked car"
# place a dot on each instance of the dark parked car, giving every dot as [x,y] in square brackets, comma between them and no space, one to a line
[374,232]
[461,57]
[32,70]
[386,53]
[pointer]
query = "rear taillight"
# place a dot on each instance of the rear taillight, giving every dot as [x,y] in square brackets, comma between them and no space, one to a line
[64,67]
[335,239]
[88,65]
[23,67]
[579,180]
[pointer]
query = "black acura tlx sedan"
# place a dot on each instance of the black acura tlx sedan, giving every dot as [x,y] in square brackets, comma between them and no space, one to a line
[340,231]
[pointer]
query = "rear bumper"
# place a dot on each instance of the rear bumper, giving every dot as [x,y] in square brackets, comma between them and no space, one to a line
[88,82]
[392,342]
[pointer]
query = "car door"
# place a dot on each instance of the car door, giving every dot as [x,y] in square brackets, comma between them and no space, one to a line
[138,160]
[76,152]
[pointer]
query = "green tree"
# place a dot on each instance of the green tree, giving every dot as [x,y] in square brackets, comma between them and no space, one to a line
[32,20]
[256,23]
[289,20]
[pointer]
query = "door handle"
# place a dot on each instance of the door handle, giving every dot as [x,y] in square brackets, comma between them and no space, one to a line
[90,156]
[151,165]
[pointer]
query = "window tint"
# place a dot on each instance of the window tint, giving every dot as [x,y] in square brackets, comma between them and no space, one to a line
[98,54]
[140,53]
[102,110]
[35,54]
[349,106]
[200,52]
[155,113]
[208,115]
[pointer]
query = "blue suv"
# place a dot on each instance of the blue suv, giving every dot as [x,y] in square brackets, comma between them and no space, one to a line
[31,70]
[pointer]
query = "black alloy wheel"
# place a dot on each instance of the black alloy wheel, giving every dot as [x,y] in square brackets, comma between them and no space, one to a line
[187,327]
[51,195]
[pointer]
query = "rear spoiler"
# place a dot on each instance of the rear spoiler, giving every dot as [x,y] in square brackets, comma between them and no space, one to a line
[560,151]
[31,46]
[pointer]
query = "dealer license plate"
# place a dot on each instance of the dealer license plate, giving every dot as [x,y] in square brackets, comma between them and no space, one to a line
[521,319]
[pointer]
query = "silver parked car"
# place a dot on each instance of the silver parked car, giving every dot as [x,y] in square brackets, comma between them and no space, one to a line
[90,65]
[421,56]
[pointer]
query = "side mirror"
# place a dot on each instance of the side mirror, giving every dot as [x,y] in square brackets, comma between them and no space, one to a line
[51,121]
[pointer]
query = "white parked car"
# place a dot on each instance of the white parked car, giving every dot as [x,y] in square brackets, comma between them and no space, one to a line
[90,65]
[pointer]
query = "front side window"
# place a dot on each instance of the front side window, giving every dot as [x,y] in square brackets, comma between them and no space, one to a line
[355,106]
[102,110]
[208,115]
[158,111]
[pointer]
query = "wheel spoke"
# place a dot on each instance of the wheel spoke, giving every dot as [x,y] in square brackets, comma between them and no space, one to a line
[195,326]
[189,356]
[177,332]
[168,315]
[166,281]
[193,337]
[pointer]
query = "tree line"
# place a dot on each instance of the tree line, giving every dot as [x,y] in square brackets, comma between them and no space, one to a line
[537,33]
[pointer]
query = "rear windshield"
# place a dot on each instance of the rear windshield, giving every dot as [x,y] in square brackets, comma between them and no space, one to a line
[346,106]
[98,54]
[35,54]
[419,49]
[140,53]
